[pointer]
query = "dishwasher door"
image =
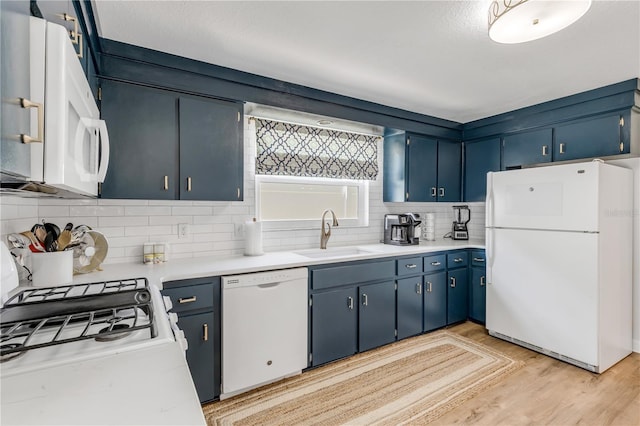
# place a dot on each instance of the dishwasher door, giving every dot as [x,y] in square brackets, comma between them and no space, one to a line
[264,328]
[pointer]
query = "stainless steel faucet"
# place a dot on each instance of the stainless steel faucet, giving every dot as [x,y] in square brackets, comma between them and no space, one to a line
[325,234]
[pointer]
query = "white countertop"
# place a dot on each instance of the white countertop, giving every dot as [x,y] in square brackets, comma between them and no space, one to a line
[177,269]
[113,390]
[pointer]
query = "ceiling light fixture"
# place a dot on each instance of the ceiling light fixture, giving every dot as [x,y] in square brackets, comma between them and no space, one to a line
[518,21]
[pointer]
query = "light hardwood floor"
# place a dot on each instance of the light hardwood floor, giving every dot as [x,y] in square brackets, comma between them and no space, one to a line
[550,392]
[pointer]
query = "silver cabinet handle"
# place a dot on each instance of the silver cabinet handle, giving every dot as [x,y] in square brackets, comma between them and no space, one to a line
[429,287]
[419,288]
[442,192]
[562,145]
[410,265]
[238,192]
[545,150]
[166,183]
[436,263]
[26,103]
[482,281]
[453,282]
[350,302]
[187,299]
[365,299]
[458,259]
[478,259]
[205,332]
[189,183]
[433,191]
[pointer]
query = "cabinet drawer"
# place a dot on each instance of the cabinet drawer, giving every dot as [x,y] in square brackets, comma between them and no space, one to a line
[457,259]
[190,298]
[409,266]
[351,274]
[434,263]
[478,258]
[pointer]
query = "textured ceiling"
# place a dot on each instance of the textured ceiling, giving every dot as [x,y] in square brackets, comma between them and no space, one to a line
[430,57]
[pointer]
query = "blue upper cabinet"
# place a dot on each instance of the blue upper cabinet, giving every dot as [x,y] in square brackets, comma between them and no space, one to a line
[593,137]
[480,157]
[531,147]
[419,168]
[422,170]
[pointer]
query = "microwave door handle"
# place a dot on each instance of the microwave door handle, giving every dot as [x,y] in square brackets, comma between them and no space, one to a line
[83,125]
[104,160]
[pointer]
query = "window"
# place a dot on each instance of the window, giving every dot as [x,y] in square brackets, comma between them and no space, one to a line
[303,170]
[288,202]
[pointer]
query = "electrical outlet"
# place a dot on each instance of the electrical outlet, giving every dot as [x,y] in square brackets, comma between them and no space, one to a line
[183,230]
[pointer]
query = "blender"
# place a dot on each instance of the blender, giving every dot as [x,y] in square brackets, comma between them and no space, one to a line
[461,216]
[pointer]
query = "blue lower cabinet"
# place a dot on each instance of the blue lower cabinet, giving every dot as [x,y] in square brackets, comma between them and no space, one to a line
[457,295]
[334,325]
[409,307]
[477,295]
[377,315]
[435,301]
[198,330]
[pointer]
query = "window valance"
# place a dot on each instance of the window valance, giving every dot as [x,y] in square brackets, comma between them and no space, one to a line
[297,150]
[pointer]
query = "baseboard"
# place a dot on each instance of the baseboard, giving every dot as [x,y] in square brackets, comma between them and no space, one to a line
[636,345]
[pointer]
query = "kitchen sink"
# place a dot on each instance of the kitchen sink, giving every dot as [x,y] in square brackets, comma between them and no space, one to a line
[333,252]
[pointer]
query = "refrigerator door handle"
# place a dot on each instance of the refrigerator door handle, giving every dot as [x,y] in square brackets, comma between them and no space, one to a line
[489,202]
[489,246]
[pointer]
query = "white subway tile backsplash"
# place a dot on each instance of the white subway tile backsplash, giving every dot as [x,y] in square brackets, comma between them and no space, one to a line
[192,210]
[53,211]
[131,231]
[147,210]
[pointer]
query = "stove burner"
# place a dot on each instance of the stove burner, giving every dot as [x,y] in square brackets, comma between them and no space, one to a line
[113,336]
[12,355]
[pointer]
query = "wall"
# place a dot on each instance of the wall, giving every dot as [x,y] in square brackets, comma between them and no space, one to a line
[215,228]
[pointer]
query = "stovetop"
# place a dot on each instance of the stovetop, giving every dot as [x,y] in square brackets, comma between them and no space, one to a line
[72,321]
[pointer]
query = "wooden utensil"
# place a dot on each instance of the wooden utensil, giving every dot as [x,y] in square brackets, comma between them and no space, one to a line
[65,237]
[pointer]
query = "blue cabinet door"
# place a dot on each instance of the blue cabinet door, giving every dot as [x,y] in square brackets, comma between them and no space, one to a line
[334,325]
[394,168]
[457,295]
[480,158]
[477,295]
[409,307]
[377,316]
[594,137]
[15,157]
[210,150]
[530,147]
[435,301]
[449,171]
[198,330]
[422,173]
[143,132]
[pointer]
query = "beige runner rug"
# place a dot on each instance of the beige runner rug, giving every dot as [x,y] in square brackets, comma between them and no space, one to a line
[412,381]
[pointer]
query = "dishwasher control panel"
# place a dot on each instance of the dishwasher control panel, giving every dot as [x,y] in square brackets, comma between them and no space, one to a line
[262,278]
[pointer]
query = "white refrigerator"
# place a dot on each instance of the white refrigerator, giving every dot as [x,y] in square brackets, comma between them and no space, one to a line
[559,261]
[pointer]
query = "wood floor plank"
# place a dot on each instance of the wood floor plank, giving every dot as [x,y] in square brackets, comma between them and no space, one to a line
[551,392]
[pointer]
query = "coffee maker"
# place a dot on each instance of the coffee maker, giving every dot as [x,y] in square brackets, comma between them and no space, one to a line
[461,216]
[400,229]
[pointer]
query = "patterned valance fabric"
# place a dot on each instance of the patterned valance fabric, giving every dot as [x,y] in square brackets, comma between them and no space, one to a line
[296,150]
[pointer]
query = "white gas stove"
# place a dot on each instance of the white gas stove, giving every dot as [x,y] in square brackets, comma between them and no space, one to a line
[43,327]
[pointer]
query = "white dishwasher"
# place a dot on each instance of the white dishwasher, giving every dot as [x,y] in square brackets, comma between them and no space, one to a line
[264,328]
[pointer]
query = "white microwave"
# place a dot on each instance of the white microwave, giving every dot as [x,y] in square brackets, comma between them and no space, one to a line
[74,155]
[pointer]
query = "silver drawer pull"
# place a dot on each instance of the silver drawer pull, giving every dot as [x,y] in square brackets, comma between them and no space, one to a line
[365,299]
[453,282]
[350,302]
[433,191]
[419,288]
[410,265]
[458,259]
[187,299]
[436,263]
[429,287]
[205,332]
[482,281]
[478,259]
